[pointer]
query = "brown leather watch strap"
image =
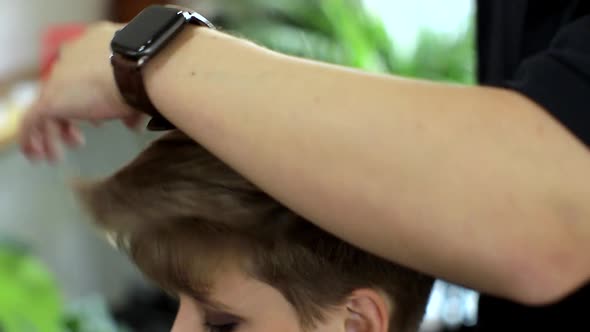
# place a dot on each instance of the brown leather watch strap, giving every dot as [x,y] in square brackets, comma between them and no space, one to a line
[129,78]
[159,123]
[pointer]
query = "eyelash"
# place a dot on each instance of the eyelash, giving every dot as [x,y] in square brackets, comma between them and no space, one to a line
[221,328]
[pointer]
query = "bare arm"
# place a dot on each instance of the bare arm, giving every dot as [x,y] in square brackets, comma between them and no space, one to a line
[476,185]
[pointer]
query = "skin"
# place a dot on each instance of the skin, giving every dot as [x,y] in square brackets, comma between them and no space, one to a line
[476,185]
[241,304]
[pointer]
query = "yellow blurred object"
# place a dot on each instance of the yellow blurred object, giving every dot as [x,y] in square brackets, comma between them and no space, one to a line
[10,121]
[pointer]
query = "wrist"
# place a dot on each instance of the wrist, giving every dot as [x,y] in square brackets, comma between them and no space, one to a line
[136,45]
[199,67]
[167,70]
[102,33]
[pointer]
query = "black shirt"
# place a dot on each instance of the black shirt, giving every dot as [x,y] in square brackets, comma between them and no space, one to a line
[540,48]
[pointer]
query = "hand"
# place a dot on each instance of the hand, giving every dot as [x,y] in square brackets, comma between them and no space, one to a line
[80,88]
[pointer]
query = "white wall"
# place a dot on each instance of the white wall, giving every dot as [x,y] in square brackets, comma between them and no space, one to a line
[38,209]
[22,21]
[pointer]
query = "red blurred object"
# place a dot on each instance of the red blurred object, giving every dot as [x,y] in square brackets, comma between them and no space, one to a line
[52,39]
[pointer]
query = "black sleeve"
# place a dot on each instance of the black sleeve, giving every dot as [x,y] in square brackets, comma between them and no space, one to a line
[559,78]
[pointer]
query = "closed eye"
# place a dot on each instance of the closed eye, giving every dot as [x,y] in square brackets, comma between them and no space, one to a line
[221,328]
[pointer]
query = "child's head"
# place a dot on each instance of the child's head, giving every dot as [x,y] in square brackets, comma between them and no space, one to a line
[238,259]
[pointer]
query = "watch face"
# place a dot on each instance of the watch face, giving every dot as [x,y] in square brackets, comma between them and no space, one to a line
[146,33]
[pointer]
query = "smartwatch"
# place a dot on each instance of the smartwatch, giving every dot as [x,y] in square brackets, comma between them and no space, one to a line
[139,41]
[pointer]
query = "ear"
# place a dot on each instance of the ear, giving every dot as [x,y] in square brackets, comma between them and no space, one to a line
[367,311]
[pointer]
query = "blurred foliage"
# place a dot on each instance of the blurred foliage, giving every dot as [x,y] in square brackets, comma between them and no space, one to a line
[30,299]
[442,58]
[344,32]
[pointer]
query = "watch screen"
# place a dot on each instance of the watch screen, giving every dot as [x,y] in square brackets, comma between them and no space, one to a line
[147,27]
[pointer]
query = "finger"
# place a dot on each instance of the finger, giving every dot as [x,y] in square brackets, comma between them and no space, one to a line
[25,130]
[33,147]
[29,139]
[134,121]
[96,123]
[27,149]
[70,133]
[32,119]
[48,133]
[54,135]
[25,138]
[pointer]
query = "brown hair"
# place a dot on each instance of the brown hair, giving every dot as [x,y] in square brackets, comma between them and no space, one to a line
[181,214]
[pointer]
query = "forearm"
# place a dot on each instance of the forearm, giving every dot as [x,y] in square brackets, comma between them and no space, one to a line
[461,182]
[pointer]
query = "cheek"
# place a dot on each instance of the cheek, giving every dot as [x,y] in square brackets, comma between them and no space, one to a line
[187,319]
[272,318]
[284,319]
[334,322]
[277,323]
[330,326]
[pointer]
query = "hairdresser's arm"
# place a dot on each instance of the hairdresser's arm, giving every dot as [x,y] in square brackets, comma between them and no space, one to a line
[476,185]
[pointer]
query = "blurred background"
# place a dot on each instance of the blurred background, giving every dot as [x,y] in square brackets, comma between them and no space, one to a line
[56,274]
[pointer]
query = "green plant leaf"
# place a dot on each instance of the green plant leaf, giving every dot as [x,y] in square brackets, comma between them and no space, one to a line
[29,299]
[344,32]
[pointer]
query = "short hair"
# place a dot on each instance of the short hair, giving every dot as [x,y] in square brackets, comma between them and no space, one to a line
[180,213]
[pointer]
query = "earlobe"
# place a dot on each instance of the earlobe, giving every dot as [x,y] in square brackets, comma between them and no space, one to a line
[367,311]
